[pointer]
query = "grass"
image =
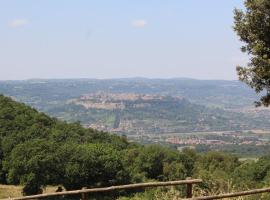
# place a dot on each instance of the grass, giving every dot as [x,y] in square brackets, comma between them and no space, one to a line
[7,191]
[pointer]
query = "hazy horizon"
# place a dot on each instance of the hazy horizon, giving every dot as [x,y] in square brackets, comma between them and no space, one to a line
[119,78]
[119,39]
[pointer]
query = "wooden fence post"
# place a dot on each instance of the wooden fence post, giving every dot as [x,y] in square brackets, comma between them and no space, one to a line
[189,188]
[84,194]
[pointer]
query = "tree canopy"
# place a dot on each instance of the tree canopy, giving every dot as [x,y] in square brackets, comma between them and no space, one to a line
[252,25]
[36,151]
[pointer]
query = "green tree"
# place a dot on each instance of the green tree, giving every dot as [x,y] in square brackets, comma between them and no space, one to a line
[262,168]
[150,161]
[92,165]
[253,28]
[243,176]
[212,161]
[2,172]
[174,171]
[34,164]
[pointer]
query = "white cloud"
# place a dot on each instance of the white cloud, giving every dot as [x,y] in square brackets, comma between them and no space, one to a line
[18,23]
[139,23]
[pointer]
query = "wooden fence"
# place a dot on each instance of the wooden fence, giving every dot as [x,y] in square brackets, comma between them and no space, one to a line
[188,182]
[84,192]
[230,195]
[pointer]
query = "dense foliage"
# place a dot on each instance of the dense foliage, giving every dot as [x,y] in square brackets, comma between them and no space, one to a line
[37,151]
[253,28]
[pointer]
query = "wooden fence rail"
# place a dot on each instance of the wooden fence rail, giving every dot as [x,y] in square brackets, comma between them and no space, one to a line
[189,182]
[85,191]
[230,195]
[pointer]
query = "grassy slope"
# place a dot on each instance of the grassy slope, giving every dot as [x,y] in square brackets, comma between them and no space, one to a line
[7,191]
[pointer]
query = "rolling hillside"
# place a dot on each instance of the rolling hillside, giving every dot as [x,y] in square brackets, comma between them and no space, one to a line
[182,105]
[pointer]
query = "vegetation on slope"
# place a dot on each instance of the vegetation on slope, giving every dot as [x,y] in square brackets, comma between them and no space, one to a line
[37,151]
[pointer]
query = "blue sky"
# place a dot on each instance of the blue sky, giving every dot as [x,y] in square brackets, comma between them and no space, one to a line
[120,38]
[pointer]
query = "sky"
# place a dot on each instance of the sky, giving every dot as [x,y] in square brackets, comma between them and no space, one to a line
[119,39]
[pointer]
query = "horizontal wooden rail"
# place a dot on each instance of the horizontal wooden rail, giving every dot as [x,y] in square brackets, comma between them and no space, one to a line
[229,195]
[111,188]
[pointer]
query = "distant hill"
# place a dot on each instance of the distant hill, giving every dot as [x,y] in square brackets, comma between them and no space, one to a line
[130,113]
[218,93]
[187,105]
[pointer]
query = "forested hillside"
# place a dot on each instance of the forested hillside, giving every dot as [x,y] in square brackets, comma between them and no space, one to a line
[37,151]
